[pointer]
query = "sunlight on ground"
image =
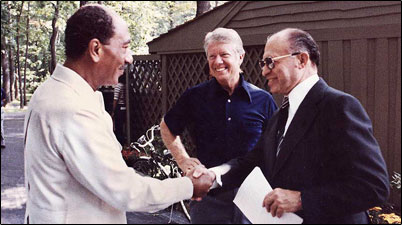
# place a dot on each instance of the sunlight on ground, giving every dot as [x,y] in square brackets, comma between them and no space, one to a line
[14,106]
[13,198]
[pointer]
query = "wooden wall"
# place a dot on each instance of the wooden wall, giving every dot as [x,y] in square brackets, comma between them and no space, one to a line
[262,17]
[370,69]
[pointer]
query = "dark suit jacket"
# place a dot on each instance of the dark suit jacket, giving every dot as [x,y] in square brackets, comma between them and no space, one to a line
[329,154]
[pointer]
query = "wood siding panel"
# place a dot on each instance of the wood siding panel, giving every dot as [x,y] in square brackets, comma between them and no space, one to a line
[256,26]
[332,34]
[334,10]
[397,145]
[347,66]
[253,5]
[396,149]
[392,121]
[319,43]
[382,98]
[316,5]
[359,70]
[335,61]
[371,56]
[324,58]
[394,139]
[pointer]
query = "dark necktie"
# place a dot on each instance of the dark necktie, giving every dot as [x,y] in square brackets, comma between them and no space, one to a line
[283,117]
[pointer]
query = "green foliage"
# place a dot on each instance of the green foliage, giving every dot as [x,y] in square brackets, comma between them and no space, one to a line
[146,19]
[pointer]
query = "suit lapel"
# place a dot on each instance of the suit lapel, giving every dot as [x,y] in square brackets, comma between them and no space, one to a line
[301,122]
[270,144]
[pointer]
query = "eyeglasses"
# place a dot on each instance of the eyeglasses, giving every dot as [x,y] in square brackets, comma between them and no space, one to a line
[270,62]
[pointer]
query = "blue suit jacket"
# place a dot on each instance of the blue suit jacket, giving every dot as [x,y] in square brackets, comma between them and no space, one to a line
[329,154]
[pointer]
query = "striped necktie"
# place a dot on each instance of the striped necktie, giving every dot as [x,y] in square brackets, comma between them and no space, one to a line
[283,117]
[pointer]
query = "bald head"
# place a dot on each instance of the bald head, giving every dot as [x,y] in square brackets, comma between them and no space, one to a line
[299,41]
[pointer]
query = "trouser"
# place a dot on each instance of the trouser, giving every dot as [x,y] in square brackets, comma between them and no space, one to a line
[217,208]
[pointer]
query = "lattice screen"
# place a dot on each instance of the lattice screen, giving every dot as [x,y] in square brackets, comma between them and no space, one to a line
[146,95]
[252,71]
[184,71]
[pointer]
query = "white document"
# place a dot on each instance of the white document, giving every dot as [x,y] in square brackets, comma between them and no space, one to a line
[250,197]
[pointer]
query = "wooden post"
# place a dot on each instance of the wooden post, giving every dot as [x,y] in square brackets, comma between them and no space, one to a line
[128,119]
[164,59]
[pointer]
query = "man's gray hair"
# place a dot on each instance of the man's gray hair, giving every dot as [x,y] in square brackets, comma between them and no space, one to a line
[224,35]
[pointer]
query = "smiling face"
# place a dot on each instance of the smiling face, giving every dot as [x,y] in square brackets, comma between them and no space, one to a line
[116,53]
[224,62]
[285,75]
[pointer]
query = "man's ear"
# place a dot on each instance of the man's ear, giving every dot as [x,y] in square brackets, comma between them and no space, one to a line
[303,59]
[242,58]
[95,49]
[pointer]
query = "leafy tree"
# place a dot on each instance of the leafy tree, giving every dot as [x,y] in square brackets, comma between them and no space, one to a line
[146,20]
[202,7]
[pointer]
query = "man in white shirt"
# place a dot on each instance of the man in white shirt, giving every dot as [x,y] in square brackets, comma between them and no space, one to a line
[74,171]
[318,152]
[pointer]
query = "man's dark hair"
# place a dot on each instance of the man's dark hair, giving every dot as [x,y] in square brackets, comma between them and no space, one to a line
[87,23]
[300,40]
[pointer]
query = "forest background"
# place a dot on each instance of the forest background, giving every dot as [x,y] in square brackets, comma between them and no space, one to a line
[32,35]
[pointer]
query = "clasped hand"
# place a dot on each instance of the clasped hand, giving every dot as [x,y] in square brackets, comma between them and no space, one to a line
[202,180]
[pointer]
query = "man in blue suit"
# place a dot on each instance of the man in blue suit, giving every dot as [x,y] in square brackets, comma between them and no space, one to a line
[318,151]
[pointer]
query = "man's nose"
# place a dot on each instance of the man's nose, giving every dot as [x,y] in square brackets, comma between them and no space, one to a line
[218,59]
[264,70]
[129,57]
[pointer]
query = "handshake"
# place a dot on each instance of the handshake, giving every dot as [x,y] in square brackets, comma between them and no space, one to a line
[202,179]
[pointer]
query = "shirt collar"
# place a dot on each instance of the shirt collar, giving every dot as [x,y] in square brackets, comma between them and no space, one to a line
[297,95]
[74,80]
[242,87]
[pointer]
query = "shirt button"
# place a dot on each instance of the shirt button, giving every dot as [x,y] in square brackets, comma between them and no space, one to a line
[229,119]
[229,100]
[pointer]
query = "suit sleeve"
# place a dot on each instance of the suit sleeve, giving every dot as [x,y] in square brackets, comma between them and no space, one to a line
[355,176]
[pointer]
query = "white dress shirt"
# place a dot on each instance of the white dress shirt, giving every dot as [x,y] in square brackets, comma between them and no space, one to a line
[74,170]
[297,95]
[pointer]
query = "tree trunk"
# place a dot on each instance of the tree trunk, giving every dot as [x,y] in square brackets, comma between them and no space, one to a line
[26,57]
[202,7]
[10,51]
[18,55]
[12,73]
[170,13]
[82,3]
[53,38]
[5,67]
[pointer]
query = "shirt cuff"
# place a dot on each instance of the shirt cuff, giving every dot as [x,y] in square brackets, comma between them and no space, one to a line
[187,187]
[219,171]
